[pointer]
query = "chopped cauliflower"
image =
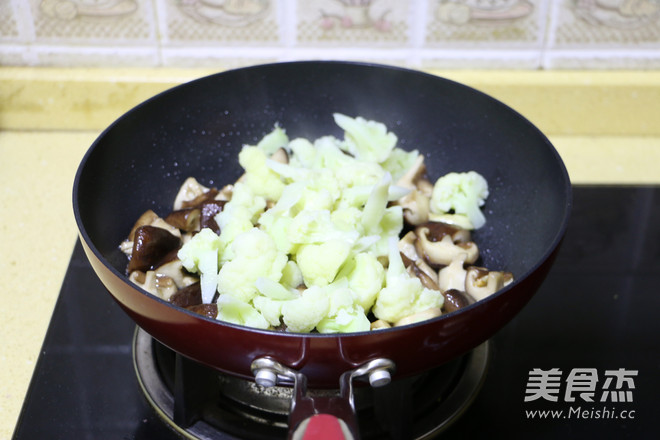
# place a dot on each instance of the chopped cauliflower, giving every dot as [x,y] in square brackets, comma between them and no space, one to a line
[262,180]
[366,140]
[344,315]
[365,276]
[200,255]
[309,239]
[255,256]
[319,263]
[234,310]
[462,193]
[304,313]
[403,295]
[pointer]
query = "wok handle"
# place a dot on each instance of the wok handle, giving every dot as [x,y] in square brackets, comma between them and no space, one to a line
[334,416]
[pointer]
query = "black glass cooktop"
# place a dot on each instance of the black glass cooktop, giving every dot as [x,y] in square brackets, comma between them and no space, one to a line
[581,360]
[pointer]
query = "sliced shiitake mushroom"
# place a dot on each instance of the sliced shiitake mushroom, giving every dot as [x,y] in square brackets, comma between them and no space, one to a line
[379,324]
[480,282]
[188,296]
[444,251]
[280,155]
[428,282]
[200,199]
[416,205]
[415,208]
[209,210]
[161,286]
[225,193]
[186,219]
[151,246]
[208,310]
[147,218]
[424,315]
[436,231]
[453,275]
[454,300]
[174,269]
[410,256]
[407,246]
[189,190]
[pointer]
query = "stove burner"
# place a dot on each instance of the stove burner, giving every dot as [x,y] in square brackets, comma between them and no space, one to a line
[203,404]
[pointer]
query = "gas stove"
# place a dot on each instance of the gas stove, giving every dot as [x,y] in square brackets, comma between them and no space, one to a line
[581,359]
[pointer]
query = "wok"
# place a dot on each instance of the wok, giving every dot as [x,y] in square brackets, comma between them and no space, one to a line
[198,128]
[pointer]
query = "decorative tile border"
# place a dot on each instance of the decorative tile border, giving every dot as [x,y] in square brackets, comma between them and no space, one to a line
[226,22]
[353,22]
[614,34]
[98,23]
[9,30]
[495,23]
[482,34]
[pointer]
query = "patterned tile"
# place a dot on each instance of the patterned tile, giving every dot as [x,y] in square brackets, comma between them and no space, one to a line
[481,34]
[604,34]
[486,23]
[8,22]
[353,22]
[219,22]
[606,23]
[94,21]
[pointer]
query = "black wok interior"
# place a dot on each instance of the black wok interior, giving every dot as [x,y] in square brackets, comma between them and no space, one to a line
[197,129]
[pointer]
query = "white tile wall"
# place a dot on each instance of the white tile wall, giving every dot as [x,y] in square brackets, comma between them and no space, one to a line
[517,34]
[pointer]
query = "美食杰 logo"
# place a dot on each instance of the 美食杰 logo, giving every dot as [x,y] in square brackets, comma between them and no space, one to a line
[592,394]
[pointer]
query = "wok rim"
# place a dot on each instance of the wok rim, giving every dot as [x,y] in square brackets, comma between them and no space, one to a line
[555,243]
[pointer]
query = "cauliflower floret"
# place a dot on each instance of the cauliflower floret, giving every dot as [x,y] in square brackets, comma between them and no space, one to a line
[277,220]
[201,254]
[344,314]
[316,226]
[238,216]
[304,313]
[399,162]
[463,193]
[270,309]
[255,256]
[275,290]
[190,252]
[258,176]
[231,309]
[273,141]
[366,140]
[304,153]
[365,275]
[403,295]
[291,275]
[376,204]
[319,263]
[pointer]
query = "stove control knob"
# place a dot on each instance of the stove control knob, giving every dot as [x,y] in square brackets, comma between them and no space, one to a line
[265,377]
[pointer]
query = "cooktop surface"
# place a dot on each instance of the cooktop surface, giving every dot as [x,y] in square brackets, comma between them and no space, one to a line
[581,359]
